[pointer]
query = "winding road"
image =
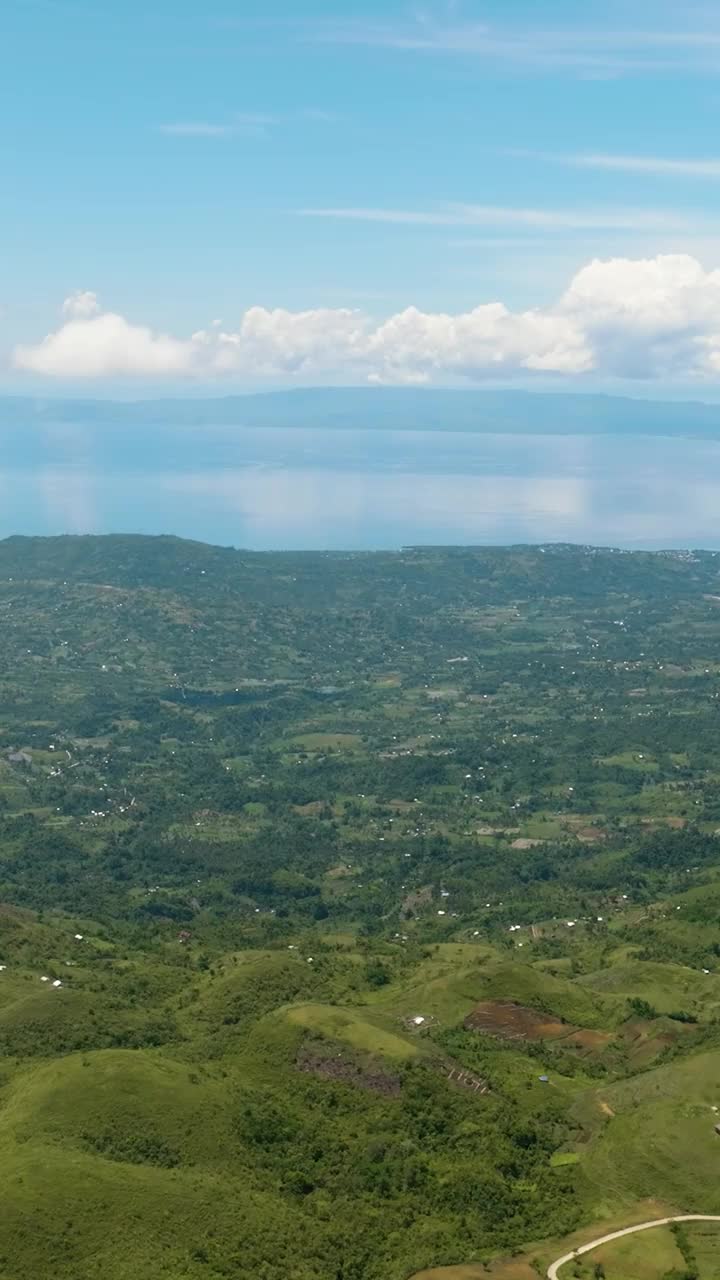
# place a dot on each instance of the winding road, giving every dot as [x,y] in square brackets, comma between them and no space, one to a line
[627,1231]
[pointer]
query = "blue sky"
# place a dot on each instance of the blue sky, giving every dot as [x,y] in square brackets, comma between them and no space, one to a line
[191,163]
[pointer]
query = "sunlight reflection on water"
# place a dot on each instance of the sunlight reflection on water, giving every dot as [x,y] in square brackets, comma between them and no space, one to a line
[305,489]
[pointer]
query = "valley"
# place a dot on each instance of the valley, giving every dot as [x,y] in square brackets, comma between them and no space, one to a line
[359,913]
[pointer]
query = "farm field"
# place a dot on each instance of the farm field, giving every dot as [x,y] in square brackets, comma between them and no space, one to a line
[359,914]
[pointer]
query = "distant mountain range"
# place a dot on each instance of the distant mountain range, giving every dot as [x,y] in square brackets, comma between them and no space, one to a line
[367,408]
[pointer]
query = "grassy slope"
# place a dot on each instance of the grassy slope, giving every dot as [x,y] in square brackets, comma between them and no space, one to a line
[63,1124]
[347,1026]
[74,1188]
[661,1139]
[668,987]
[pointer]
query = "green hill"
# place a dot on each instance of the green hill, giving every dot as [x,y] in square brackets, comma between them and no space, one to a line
[383,893]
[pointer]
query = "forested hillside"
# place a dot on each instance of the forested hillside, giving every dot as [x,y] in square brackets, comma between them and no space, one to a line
[359,913]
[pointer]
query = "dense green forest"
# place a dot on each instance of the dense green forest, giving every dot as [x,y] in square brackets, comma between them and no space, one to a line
[359,913]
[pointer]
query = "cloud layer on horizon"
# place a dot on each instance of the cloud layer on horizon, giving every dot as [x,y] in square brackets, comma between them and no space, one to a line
[652,318]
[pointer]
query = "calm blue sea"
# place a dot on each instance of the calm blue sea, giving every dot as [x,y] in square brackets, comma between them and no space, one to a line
[280,488]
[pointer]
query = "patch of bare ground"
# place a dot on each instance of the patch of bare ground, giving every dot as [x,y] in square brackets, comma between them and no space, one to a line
[512,1021]
[463,1078]
[9,912]
[644,1041]
[587,1041]
[340,872]
[332,1062]
[415,901]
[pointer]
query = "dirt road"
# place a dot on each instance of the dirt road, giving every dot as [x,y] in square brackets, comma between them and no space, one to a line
[626,1231]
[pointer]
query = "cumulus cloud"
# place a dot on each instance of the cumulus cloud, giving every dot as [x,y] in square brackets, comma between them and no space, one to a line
[98,344]
[290,342]
[649,318]
[645,318]
[81,304]
[486,340]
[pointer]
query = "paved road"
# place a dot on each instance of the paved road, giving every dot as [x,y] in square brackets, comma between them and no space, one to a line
[627,1231]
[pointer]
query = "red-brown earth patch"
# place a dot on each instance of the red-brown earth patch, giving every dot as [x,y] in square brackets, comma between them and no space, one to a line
[511,1021]
[645,1041]
[587,1041]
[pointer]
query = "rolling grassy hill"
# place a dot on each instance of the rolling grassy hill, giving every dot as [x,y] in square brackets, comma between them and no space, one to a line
[380,891]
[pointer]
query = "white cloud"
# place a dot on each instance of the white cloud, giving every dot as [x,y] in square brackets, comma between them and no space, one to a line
[661,165]
[489,339]
[257,119]
[478,215]
[196,129]
[409,217]
[582,51]
[95,344]
[646,318]
[289,342]
[81,304]
[248,124]
[653,317]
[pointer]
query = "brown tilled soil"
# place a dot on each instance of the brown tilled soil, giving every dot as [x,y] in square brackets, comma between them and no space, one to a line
[587,1041]
[513,1021]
